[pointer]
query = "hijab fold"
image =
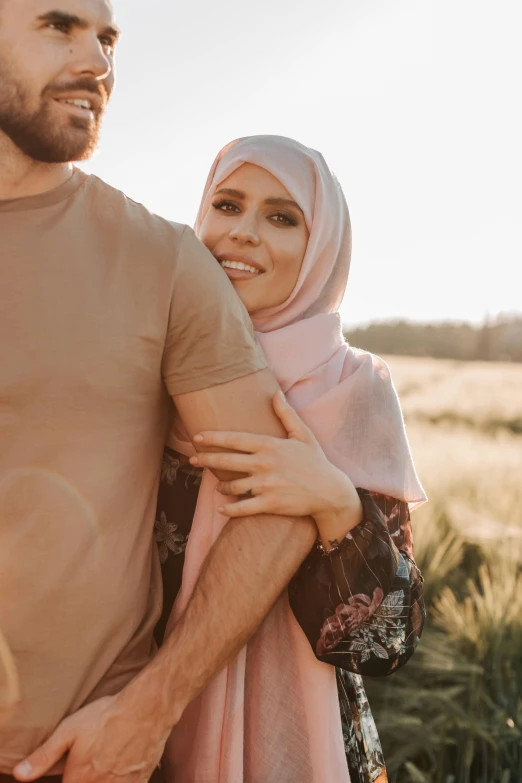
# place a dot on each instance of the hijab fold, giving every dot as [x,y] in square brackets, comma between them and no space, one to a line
[273,713]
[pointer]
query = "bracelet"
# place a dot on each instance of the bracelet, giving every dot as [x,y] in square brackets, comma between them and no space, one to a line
[323,550]
[365,498]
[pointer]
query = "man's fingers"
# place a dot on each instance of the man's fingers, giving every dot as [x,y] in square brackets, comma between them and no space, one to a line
[236,441]
[290,420]
[47,755]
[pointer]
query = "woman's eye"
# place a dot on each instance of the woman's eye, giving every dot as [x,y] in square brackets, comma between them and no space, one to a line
[285,220]
[225,206]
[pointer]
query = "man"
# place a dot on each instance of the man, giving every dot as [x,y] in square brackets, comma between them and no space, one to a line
[108,313]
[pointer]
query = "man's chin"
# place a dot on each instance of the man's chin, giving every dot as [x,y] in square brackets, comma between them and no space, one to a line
[76,146]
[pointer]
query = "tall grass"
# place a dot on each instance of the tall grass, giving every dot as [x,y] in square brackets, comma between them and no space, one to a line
[454,713]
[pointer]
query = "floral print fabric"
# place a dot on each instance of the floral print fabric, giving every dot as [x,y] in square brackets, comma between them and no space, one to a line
[360,605]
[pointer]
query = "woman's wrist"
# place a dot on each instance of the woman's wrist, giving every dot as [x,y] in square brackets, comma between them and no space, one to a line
[343,514]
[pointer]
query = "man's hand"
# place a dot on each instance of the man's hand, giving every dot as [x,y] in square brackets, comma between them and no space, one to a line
[117,739]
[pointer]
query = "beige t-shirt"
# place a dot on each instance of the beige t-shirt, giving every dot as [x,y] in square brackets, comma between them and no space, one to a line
[103,307]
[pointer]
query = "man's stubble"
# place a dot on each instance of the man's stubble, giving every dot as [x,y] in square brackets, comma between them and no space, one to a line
[32,131]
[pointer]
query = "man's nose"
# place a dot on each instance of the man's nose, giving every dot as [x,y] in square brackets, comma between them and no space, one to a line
[92,61]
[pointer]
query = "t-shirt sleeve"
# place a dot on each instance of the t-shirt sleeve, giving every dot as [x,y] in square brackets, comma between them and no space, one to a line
[210,339]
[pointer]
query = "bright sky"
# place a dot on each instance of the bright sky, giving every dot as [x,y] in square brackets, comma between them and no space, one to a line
[414,104]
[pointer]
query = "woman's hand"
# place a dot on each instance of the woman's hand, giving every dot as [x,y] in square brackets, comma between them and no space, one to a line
[290,477]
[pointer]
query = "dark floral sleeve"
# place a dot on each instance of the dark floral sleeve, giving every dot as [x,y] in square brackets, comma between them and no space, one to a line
[361,605]
[177,498]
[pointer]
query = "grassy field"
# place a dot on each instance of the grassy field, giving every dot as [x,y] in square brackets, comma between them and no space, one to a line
[454,713]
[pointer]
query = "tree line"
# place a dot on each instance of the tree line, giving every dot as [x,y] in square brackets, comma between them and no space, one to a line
[495,340]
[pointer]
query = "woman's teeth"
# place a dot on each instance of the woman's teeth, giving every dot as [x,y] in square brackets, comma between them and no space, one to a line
[240,265]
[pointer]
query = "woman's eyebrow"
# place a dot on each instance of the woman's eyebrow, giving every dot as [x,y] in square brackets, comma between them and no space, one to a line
[271,202]
[231,192]
[282,202]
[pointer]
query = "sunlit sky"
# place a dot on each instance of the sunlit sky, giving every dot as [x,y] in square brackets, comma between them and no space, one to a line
[414,104]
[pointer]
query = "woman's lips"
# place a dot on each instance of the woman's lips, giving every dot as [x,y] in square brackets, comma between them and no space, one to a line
[239,274]
[240,267]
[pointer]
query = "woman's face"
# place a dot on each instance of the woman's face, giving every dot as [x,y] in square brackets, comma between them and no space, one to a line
[258,233]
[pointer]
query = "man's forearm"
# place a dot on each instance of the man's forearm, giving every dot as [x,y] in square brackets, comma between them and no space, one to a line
[246,571]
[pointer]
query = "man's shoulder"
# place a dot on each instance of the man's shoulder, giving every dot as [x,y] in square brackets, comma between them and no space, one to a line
[132,220]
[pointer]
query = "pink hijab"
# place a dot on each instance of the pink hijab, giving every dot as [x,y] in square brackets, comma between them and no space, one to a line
[273,713]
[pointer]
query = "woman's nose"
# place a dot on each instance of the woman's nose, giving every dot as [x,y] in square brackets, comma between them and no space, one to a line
[245,231]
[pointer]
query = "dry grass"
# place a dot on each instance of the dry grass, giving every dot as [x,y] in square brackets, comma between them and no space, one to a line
[471,469]
[480,395]
[459,701]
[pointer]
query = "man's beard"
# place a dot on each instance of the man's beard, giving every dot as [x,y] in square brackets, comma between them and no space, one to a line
[36,133]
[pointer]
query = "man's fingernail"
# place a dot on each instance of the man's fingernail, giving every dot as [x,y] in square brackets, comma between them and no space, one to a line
[221,509]
[193,460]
[24,770]
[198,438]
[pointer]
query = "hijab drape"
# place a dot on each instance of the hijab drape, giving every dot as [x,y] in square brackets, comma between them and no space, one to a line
[272,715]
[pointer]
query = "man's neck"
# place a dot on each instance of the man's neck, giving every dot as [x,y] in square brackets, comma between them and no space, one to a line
[21,176]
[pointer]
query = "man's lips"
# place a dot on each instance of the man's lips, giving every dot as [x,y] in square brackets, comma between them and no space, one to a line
[80,103]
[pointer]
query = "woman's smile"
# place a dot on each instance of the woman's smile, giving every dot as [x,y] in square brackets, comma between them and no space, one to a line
[239,266]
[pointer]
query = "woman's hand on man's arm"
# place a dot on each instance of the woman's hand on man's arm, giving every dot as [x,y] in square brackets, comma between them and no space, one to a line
[290,476]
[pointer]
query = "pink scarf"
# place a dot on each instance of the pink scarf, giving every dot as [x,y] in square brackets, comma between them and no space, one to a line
[272,715]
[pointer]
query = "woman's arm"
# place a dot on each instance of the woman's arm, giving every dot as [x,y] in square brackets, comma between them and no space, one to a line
[358,596]
[360,605]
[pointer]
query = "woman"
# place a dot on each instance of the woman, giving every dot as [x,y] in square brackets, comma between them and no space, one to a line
[291,707]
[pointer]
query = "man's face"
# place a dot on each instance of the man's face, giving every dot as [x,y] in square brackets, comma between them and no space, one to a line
[56,75]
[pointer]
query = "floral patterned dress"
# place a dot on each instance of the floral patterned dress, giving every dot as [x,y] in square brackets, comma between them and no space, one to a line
[360,605]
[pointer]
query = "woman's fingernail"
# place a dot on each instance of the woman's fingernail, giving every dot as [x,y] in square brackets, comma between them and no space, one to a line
[221,509]
[24,770]
[193,460]
[198,438]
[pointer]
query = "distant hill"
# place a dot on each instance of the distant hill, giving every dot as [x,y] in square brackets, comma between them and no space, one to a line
[498,340]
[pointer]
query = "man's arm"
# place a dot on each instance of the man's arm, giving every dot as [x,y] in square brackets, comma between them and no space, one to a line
[122,737]
[246,404]
[249,566]
[247,569]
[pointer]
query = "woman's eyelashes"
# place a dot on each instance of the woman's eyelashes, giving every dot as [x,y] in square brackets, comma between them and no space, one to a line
[225,206]
[281,218]
[285,219]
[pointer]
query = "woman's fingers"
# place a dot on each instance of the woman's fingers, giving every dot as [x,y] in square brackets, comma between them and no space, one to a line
[236,441]
[237,487]
[238,463]
[245,508]
[294,426]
